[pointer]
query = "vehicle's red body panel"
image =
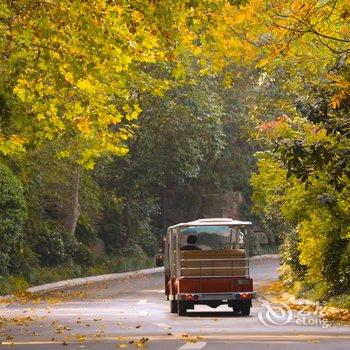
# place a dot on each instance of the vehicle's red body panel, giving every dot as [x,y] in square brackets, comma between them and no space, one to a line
[212,285]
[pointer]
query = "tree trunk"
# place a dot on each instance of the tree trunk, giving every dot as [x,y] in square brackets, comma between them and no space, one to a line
[127,220]
[72,211]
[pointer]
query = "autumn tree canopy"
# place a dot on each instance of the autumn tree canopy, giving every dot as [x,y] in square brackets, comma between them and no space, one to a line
[76,67]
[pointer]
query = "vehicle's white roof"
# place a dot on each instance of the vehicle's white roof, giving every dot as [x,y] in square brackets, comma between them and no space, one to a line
[214,221]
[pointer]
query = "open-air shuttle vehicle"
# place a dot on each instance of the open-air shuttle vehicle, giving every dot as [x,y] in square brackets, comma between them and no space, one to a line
[206,263]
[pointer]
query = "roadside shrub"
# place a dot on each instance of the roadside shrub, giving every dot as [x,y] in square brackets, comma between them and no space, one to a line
[331,263]
[83,255]
[84,232]
[292,270]
[56,273]
[13,213]
[55,245]
[25,261]
[70,269]
[10,284]
[132,249]
[147,240]
[113,235]
[344,270]
[137,263]
[341,301]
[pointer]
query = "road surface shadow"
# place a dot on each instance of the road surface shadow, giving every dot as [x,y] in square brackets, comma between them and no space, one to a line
[217,314]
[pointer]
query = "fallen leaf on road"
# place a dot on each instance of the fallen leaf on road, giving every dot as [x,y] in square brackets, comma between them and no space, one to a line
[190,339]
[141,343]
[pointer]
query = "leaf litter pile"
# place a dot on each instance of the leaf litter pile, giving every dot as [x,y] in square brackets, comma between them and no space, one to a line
[13,327]
[79,329]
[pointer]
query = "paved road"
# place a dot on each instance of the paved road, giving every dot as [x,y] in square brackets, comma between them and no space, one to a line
[133,314]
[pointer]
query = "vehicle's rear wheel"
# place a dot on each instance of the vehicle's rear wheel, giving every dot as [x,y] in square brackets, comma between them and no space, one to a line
[245,310]
[173,306]
[181,308]
[236,310]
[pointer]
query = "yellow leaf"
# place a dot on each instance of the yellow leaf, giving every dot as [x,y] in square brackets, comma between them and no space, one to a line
[63,154]
[133,115]
[81,338]
[69,77]
[77,108]
[137,16]
[240,17]
[179,72]
[137,108]
[17,140]
[262,63]
[228,80]
[335,102]
[84,125]
[85,85]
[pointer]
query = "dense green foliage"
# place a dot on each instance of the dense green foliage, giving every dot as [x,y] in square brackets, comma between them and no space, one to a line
[313,215]
[12,216]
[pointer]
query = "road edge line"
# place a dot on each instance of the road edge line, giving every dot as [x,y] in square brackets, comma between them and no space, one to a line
[93,279]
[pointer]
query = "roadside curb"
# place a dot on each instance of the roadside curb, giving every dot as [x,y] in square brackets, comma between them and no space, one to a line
[93,279]
[265,256]
[109,277]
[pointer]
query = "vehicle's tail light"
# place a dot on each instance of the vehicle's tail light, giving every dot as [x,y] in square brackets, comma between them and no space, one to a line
[189,297]
[244,295]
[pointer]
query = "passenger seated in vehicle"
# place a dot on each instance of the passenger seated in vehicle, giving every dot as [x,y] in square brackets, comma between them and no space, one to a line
[191,243]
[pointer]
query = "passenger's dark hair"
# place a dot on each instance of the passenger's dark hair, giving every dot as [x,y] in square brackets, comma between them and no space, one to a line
[191,239]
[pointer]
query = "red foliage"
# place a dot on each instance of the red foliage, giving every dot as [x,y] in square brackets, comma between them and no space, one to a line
[267,126]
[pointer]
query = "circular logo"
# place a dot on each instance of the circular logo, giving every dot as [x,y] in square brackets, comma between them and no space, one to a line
[278,315]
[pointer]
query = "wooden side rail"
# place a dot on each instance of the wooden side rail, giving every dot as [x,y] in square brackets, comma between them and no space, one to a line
[229,267]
